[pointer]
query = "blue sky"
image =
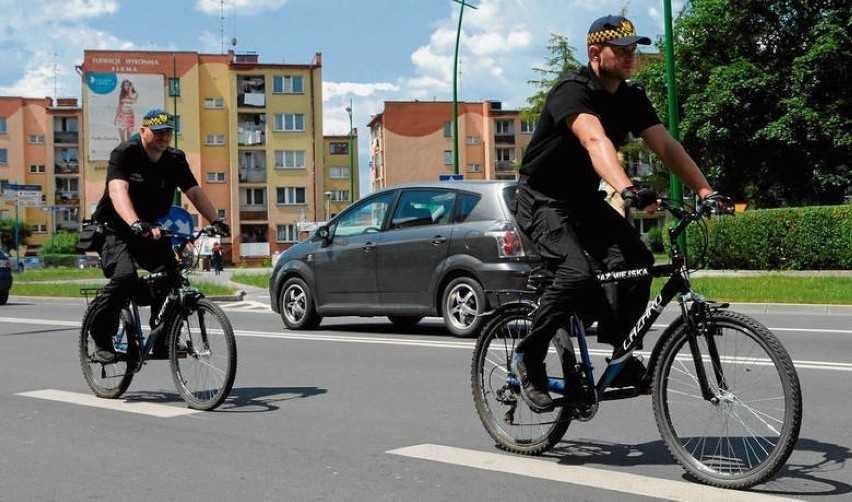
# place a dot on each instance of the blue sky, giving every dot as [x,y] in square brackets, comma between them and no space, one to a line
[373,50]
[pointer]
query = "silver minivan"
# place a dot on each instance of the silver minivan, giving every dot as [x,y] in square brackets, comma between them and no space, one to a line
[407,252]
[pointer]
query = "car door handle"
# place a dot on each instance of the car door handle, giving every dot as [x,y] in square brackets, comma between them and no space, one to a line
[369,246]
[439,239]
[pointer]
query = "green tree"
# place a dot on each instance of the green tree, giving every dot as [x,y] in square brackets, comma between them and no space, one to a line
[7,233]
[560,60]
[763,87]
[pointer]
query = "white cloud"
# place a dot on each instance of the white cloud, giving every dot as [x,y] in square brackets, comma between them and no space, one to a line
[244,7]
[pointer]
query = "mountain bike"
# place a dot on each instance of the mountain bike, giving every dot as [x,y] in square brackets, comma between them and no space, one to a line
[202,349]
[725,395]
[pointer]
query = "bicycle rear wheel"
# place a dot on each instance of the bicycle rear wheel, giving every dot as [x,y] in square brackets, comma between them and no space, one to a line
[109,381]
[743,435]
[507,419]
[203,356]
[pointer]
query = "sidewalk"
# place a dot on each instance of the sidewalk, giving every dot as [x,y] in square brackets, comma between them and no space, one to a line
[241,291]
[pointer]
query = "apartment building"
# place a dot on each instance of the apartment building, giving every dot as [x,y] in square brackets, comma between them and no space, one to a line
[40,175]
[413,141]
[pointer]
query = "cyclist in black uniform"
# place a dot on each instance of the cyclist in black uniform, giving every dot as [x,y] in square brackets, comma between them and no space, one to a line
[141,180]
[586,117]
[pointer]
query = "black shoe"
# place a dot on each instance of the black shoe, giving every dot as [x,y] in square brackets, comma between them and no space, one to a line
[632,374]
[533,385]
[104,356]
[104,351]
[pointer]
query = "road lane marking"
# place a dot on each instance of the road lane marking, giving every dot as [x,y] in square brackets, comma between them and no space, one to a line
[447,344]
[140,407]
[603,479]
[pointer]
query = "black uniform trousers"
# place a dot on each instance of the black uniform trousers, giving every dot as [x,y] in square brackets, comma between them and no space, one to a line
[576,240]
[119,257]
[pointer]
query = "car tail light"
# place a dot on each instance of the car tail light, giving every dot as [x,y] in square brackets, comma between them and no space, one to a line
[508,240]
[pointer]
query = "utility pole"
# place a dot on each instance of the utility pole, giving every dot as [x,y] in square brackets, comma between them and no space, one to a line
[455,88]
[675,186]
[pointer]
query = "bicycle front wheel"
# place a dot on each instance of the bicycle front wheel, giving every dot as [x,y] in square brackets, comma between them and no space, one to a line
[507,419]
[109,381]
[203,356]
[743,435]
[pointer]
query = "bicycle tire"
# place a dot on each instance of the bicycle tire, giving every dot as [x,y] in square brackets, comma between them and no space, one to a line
[108,381]
[507,419]
[745,436]
[203,355]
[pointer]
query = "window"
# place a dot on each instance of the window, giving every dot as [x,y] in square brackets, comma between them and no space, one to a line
[2,125]
[338,148]
[221,214]
[37,169]
[448,157]
[473,140]
[338,172]
[290,159]
[36,139]
[423,207]
[474,168]
[290,195]
[505,154]
[286,233]
[214,103]
[216,177]
[289,122]
[214,139]
[339,195]
[367,215]
[4,156]
[503,127]
[254,197]
[288,84]
[448,129]
[527,126]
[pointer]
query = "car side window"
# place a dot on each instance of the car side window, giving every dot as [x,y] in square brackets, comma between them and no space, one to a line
[467,201]
[423,207]
[368,217]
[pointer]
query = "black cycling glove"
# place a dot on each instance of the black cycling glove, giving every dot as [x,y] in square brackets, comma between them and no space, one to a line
[141,228]
[718,203]
[640,198]
[221,228]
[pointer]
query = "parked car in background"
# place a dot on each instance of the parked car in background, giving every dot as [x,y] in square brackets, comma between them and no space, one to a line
[5,277]
[27,263]
[88,261]
[406,252]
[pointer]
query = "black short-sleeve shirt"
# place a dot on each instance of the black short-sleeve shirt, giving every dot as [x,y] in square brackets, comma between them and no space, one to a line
[152,184]
[555,163]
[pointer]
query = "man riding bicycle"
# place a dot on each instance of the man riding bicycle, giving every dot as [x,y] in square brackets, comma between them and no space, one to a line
[586,117]
[141,180]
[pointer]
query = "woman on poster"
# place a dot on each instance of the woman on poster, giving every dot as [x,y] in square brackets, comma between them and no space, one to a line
[124,115]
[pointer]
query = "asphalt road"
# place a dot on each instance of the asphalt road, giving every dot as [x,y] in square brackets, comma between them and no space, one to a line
[358,411]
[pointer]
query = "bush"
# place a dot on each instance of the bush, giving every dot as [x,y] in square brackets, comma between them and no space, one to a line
[806,238]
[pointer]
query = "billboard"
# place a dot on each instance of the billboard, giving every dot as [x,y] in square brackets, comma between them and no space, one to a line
[116,104]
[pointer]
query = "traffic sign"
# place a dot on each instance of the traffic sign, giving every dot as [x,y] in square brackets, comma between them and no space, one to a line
[450,177]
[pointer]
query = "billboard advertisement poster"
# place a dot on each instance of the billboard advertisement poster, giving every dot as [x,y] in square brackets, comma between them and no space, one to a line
[117,102]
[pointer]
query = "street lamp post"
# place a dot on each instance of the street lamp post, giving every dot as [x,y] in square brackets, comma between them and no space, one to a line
[455,89]
[675,185]
[351,156]
[327,206]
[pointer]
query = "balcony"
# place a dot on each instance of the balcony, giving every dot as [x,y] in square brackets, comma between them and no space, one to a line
[72,137]
[67,198]
[504,166]
[67,167]
[252,174]
[504,139]
[253,213]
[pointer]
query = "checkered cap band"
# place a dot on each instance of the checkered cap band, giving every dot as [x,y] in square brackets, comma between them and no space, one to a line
[611,32]
[158,120]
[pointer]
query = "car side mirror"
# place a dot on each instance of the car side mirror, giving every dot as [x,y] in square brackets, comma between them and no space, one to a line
[323,234]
